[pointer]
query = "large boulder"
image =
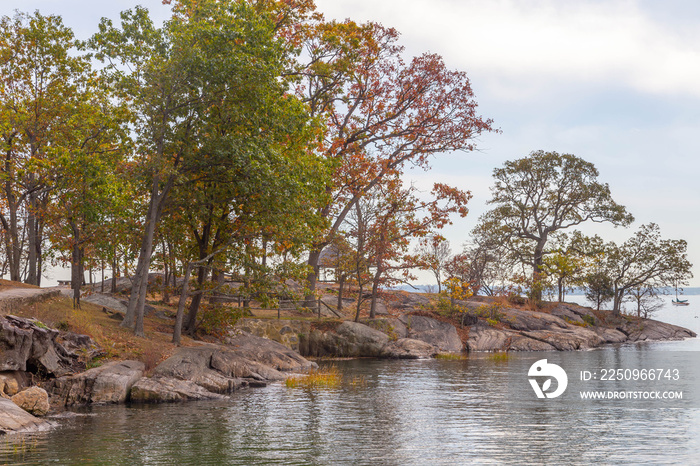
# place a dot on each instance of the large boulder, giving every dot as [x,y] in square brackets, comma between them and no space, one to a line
[33,400]
[15,419]
[408,348]
[408,301]
[485,338]
[520,319]
[194,365]
[109,383]
[391,326]
[282,331]
[610,335]
[268,352]
[568,339]
[523,343]
[349,339]
[362,340]
[167,389]
[15,345]
[442,335]
[380,308]
[112,302]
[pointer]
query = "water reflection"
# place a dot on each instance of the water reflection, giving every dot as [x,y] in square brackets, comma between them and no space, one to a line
[408,412]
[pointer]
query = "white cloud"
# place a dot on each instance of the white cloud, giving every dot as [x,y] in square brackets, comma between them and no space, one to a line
[525,46]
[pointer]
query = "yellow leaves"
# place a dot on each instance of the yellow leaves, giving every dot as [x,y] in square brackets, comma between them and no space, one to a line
[458,289]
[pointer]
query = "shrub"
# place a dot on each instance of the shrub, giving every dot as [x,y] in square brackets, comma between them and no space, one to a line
[217,319]
[590,320]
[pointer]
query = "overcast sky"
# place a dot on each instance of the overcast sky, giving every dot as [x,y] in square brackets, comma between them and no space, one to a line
[616,83]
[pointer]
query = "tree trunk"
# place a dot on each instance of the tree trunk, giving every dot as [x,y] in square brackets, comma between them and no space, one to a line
[102,275]
[341,284]
[537,269]
[560,285]
[617,301]
[165,294]
[359,303]
[31,239]
[375,291]
[137,300]
[114,272]
[191,324]
[181,306]
[219,278]
[76,268]
[312,277]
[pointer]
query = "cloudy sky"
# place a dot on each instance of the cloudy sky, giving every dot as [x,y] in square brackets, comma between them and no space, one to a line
[614,82]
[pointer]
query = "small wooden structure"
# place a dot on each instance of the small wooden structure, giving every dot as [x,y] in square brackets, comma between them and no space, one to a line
[328,263]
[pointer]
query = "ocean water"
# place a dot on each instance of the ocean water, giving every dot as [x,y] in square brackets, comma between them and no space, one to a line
[478,410]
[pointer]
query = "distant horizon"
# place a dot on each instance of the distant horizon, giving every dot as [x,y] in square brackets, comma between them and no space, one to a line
[668,291]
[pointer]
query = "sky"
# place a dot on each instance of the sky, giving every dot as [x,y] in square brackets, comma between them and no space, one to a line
[615,82]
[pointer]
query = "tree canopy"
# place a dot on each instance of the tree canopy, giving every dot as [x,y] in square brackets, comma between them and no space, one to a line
[543,193]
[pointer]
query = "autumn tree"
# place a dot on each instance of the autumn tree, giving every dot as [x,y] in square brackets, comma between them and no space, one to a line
[599,288]
[389,218]
[198,89]
[543,193]
[42,78]
[645,259]
[645,300]
[567,261]
[433,254]
[381,112]
[88,186]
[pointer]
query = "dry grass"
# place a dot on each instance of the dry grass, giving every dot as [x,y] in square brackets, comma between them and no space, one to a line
[329,377]
[104,327]
[5,284]
[450,356]
[499,356]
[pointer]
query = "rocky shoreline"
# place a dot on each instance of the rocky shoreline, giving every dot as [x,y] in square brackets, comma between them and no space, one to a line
[40,369]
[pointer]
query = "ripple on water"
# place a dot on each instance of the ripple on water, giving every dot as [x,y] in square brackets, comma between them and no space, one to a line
[407,412]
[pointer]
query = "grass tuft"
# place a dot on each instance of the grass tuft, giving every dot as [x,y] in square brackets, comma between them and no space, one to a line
[329,377]
[450,356]
[499,356]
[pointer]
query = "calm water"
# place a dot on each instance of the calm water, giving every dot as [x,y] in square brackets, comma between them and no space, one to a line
[479,410]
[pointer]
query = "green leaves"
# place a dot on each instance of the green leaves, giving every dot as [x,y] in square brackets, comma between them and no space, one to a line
[541,194]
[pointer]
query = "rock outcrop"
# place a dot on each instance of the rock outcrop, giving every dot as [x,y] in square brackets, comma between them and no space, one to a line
[442,335]
[282,331]
[653,330]
[17,298]
[567,328]
[29,345]
[408,348]
[14,419]
[165,389]
[412,337]
[110,383]
[114,303]
[212,371]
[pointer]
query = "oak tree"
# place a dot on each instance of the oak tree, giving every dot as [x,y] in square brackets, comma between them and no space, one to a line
[381,113]
[545,192]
